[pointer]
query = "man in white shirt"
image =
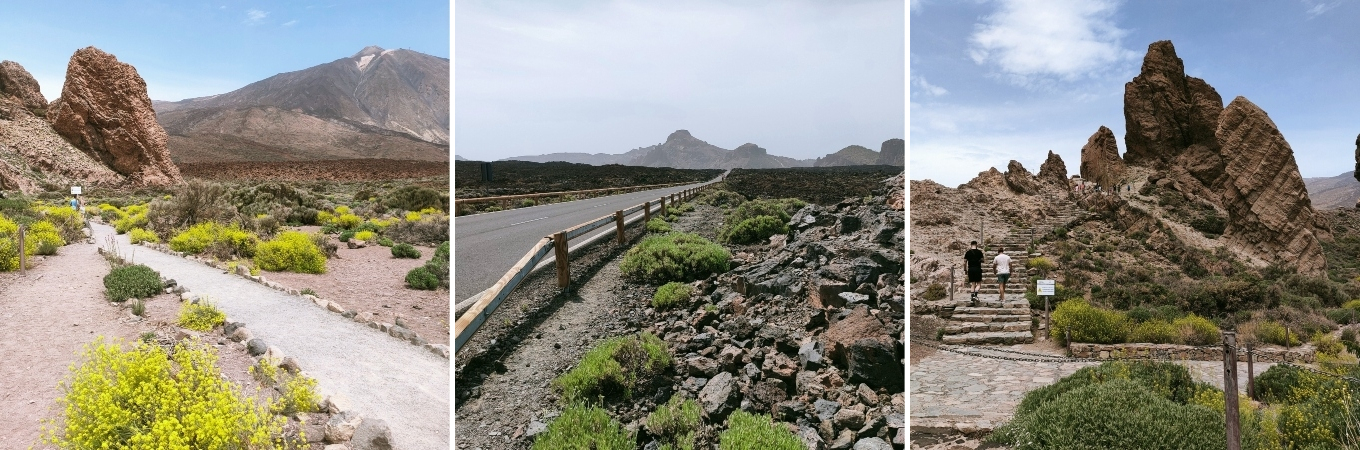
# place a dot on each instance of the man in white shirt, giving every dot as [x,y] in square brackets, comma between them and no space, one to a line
[1002,263]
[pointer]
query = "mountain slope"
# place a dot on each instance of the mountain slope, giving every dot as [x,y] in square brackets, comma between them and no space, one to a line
[375,104]
[1341,191]
[681,150]
[853,155]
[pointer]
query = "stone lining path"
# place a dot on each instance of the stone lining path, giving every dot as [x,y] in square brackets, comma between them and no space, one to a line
[381,377]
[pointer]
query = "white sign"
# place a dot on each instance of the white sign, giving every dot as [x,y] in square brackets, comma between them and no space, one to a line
[1045,287]
[75,190]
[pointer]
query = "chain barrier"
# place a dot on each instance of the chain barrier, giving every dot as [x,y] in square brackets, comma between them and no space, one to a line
[970,350]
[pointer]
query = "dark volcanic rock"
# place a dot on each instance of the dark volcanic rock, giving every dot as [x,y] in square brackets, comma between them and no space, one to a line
[1166,112]
[104,111]
[1053,171]
[893,152]
[1268,207]
[1020,180]
[18,86]
[1100,162]
[1357,157]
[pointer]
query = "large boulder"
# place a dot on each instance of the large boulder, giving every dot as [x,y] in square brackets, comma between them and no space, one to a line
[1053,171]
[104,111]
[18,88]
[893,153]
[1167,112]
[1269,212]
[1020,180]
[1100,162]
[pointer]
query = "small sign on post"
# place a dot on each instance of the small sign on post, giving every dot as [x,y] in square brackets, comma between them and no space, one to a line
[75,190]
[1045,288]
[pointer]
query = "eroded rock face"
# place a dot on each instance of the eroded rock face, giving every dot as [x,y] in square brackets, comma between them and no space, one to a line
[1100,161]
[893,153]
[104,110]
[19,87]
[1357,157]
[1167,112]
[1269,211]
[1053,170]
[1020,180]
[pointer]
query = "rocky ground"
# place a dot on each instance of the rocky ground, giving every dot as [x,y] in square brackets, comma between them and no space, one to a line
[807,328]
[329,170]
[820,185]
[520,177]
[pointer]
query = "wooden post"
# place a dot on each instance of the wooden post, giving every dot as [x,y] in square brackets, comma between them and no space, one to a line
[618,224]
[951,283]
[22,228]
[563,270]
[662,208]
[1047,317]
[1251,371]
[1230,390]
[1067,334]
[646,212]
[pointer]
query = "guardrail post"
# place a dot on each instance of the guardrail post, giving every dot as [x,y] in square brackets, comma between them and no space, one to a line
[1230,390]
[618,224]
[646,212]
[662,208]
[21,247]
[1251,371]
[563,269]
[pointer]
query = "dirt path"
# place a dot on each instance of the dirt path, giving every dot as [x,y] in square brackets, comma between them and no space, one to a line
[404,385]
[47,315]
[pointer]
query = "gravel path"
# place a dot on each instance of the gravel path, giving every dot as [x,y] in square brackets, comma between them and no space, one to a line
[404,385]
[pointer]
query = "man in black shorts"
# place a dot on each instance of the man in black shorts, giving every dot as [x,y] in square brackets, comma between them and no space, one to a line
[974,258]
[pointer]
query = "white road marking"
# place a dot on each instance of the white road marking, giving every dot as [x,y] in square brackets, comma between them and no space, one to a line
[527,221]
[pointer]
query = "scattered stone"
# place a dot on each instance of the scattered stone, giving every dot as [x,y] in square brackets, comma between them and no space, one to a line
[372,434]
[341,427]
[256,347]
[872,443]
[719,395]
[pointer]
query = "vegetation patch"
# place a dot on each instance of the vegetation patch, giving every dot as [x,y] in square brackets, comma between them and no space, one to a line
[671,295]
[291,251]
[140,235]
[405,251]
[677,423]
[674,257]
[658,226]
[200,316]
[219,240]
[746,431]
[434,274]
[585,427]
[612,370]
[131,281]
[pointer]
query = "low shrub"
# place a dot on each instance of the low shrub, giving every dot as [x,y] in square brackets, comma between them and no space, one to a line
[1196,330]
[754,230]
[385,242]
[585,427]
[133,281]
[70,223]
[1118,413]
[677,422]
[1327,345]
[42,238]
[1088,324]
[347,220]
[140,235]
[746,431]
[291,251]
[298,394]
[671,295]
[405,251]
[723,198]
[434,274]
[346,235]
[431,229]
[934,292]
[219,240]
[415,198]
[366,236]
[1274,333]
[1155,331]
[674,257]
[200,316]
[421,278]
[614,369]
[658,226]
[146,398]
[9,254]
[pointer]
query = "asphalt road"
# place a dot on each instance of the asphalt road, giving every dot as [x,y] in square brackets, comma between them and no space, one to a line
[487,245]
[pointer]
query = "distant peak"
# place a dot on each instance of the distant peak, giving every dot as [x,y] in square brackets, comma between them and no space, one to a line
[679,134]
[370,50]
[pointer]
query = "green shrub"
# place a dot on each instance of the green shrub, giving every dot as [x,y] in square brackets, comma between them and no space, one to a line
[1155,331]
[1168,380]
[9,254]
[385,242]
[220,240]
[658,225]
[421,278]
[1196,330]
[674,257]
[1119,413]
[200,316]
[1041,264]
[42,238]
[405,251]
[723,198]
[139,235]
[1089,324]
[346,235]
[934,292]
[364,235]
[1274,333]
[134,281]
[415,198]
[291,251]
[677,422]
[746,431]
[144,398]
[671,295]
[586,428]
[298,394]
[1327,345]
[754,230]
[614,369]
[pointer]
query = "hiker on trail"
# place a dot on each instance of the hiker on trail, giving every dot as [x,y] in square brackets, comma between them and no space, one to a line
[1003,269]
[75,204]
[974,258]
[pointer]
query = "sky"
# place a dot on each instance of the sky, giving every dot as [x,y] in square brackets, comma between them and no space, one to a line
[996,80]
[186,49]
[799,78]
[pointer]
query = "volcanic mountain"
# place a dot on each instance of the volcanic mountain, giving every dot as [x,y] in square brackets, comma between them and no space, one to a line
[391,104]
[682,150]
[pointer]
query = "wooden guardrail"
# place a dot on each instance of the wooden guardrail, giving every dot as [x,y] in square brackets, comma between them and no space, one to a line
[507,198]
[468,323]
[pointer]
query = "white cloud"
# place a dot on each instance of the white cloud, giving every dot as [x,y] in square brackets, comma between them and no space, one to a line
[1035,42]
[927,88]
[290,23]
[1319,7]
[255,16]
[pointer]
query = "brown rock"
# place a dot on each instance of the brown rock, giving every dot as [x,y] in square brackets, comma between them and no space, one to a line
[859,324]
[18,86]
[104,110]
[1166,112]
[893,152]
[1269,211]
[1020,180]
[1100,162]
[1053,171]
[1357,157]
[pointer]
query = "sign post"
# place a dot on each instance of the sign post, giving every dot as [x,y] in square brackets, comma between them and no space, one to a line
[1045,288]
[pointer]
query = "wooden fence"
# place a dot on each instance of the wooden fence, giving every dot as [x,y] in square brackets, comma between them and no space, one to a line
[468,323]
[505,200]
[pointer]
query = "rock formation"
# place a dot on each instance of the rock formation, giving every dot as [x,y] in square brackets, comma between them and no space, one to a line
[1357,158]
[1268,207]
[853,155]
[893,152]
[1053,171]
[1166,112]
[1020,180]
[18,88]
[1100,162]
[104,111]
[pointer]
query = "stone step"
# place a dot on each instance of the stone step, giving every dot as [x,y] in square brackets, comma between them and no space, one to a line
[990,337]
[989,318]
[1021,304]
[980,327]
[987,310]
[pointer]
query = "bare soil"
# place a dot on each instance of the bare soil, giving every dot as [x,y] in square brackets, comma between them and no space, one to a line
[371,281]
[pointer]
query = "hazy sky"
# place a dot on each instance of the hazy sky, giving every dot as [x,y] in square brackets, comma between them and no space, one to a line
[993,81]
[799,78]
[189,49]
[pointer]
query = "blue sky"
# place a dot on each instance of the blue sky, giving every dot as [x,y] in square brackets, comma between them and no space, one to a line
[799,78]
[187,49]
[996,80]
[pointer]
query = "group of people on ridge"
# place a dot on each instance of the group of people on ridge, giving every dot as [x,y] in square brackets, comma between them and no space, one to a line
[1002,264]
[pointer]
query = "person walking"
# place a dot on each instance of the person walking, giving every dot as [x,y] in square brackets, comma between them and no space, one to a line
[1002,263]
[974,258]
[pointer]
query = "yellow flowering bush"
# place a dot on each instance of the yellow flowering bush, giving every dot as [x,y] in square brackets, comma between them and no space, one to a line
[140,235]
[347,220]
[324,217]
[366,236]
[68,221]
[146,399]
[133,216]
[201,316]
[299,395]
[291,251]
[342,210]
[42,238]
[9,254]
[227,238]
[412,216]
